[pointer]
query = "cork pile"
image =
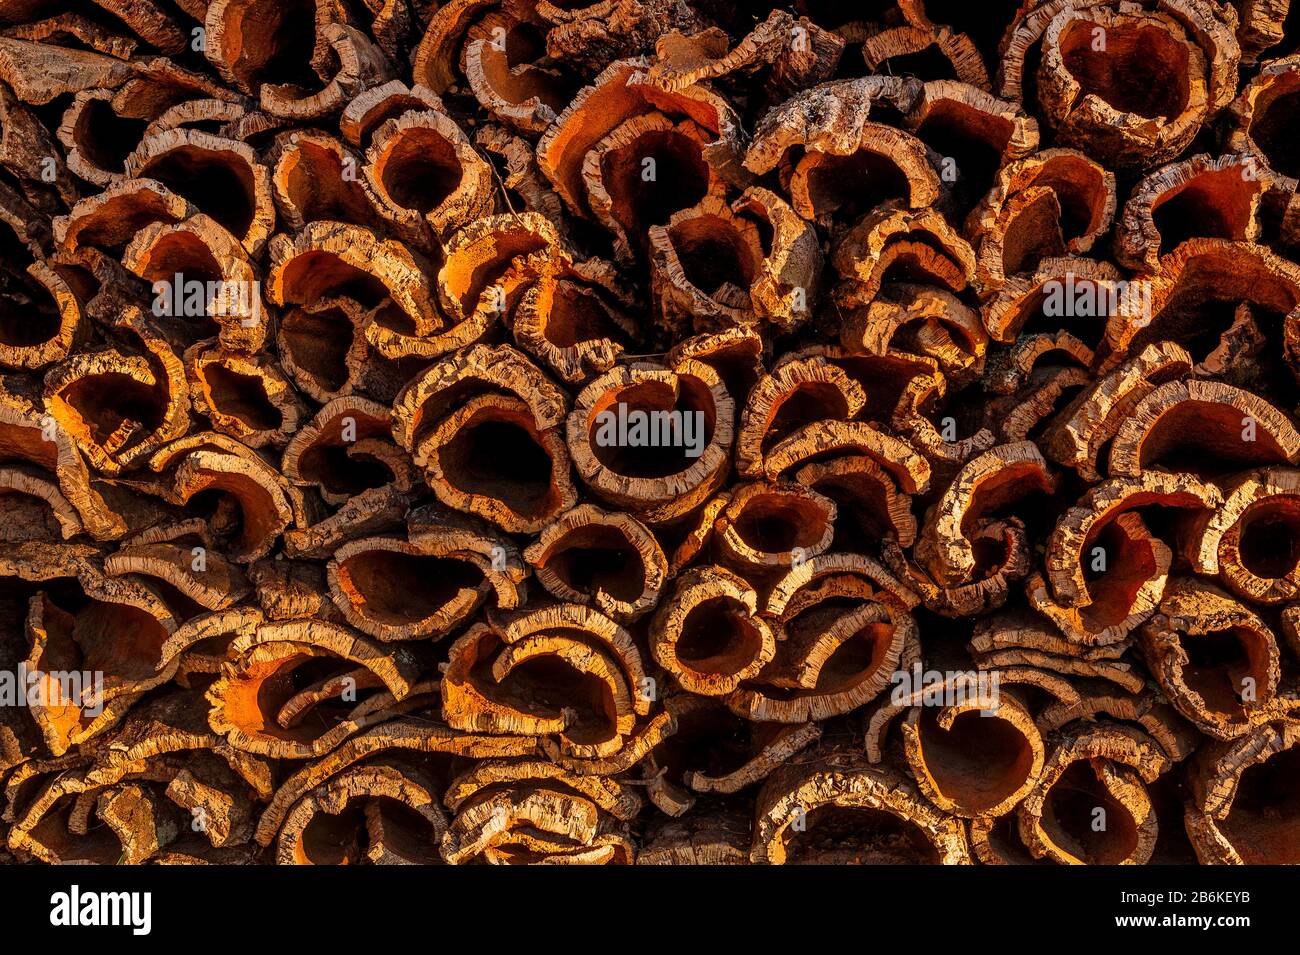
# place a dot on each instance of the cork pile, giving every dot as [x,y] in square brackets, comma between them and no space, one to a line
[649,432]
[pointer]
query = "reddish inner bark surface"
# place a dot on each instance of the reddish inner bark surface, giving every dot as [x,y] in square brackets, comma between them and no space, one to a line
[1071,818]
[1140,69]
[977,763]
[1264,823]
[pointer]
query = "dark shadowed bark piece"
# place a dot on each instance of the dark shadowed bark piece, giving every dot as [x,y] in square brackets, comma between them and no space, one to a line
[1242,808]
[699,839]
[838,809]
[384,812]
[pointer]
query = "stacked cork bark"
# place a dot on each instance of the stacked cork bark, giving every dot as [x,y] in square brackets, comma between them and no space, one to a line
[312,317]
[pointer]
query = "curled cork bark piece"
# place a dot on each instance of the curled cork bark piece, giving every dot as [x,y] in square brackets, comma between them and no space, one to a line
[119,406]
[977,758]
[1247,541]
[1200,290]
[618,94]
[576,320]
[1134,566]
[707,634]
[421,172]
[111,218]
[974,131]
[712,840]
[322,347]
[494,680]
[892,242]
[1108,96]
[1215,660]
[1091,806]
[201,278]
[316,177]
[865,815]
[343,683]
[767,528]
[222,177]
[374,583]
[89,155]
[526,825]
[985,484]
[1072,549]
[684,772]
[609,560]
[242,498]
[345,450]
[1092,419]
[1235,427]
[331,258]
[132,799]
[898,47]
[911,320]
[842,623]
[710,269]
[1264,107]
[797,393]
[1056,202]
[1240,811]
[247,399]
[798,53]
[382,813]
[1200,196]
[624,468]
